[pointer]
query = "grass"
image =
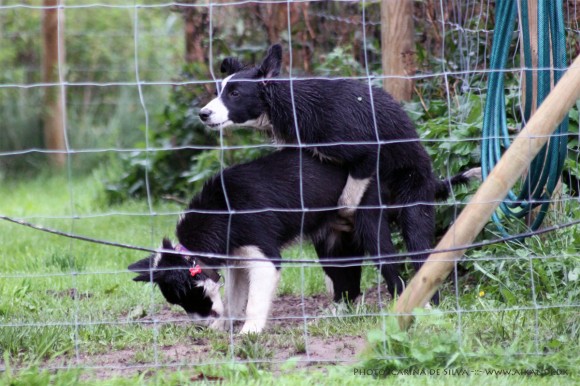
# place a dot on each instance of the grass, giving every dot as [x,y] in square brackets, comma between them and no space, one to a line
[64,301]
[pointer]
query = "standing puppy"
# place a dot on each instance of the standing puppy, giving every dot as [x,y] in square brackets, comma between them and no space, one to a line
[343,120]
[252,211]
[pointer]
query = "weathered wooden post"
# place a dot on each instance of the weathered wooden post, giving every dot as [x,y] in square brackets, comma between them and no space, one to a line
[398,47]
[532,19]
[54,54]
[533,32]
[491,193]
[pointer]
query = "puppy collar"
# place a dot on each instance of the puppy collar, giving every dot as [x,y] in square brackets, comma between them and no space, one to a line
[198,267]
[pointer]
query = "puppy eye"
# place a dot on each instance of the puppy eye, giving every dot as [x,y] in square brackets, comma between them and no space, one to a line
[234,94]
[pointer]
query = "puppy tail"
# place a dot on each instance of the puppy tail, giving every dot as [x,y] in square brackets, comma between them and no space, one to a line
[444,187]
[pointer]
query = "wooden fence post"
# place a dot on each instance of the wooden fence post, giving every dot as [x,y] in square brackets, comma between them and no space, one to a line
[398,47]
[54,111]
[533,30]
[490,194]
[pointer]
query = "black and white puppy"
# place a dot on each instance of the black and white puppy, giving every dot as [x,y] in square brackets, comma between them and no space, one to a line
[252,211]
[343,120]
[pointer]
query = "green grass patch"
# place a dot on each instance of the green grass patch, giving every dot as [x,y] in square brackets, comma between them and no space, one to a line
[65,300]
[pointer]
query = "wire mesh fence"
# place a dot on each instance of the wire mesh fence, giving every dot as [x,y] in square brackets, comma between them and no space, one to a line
[133,76]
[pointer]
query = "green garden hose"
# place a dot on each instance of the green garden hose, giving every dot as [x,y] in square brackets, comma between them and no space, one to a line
[546,168]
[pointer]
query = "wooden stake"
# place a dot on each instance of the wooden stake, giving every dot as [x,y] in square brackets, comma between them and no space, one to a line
[490,194]
[54,111]
[398,47]
[533,30]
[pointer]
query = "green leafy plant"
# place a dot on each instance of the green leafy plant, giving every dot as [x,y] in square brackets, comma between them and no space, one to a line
[430,345]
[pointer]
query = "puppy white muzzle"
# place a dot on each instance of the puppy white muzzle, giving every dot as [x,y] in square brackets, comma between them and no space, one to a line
[215,115]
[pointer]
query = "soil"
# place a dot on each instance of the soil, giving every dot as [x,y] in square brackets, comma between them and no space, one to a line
[285,337]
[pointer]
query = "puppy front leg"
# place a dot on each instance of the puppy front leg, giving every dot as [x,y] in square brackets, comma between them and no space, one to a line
[263,282]
[235,295]
[221,323]
[237,291]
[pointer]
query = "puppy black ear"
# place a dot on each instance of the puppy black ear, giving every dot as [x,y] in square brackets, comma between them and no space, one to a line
[272,63]
[170,258]
[144,277]
[230,65]
[166,244]
[142,267]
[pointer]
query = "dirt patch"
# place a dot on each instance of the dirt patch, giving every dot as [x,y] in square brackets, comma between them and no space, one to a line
[287,310]
[338,350]
[287,336]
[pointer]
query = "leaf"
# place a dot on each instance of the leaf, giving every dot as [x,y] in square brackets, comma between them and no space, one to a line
[486,273]
[452,359]
[554,344]
[376,336]
[509,297]
[137,313]
[112,289]
[422,354]
[399,336]
[290,364]
[574,274]
[574,113]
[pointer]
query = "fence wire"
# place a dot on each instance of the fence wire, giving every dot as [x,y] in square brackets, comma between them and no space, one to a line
[67,306]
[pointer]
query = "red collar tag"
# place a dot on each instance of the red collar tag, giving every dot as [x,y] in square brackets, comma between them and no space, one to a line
[195,270]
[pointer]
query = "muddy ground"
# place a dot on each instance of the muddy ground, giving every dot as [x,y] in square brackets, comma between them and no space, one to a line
[285,337]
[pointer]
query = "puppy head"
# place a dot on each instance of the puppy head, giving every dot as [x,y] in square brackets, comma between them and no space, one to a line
[181,282]
[239,99]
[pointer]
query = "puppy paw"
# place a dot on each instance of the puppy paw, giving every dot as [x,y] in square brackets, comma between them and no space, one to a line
[251,327]
[220,324]
[338,309]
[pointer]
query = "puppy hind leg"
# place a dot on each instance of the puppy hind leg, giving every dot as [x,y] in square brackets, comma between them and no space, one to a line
[418,230]
[343,283]
[389,267]
[372,228]
[390,273]
[352,195]
[328,282]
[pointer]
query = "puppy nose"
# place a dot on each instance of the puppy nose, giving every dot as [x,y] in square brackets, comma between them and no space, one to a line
[204,114]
